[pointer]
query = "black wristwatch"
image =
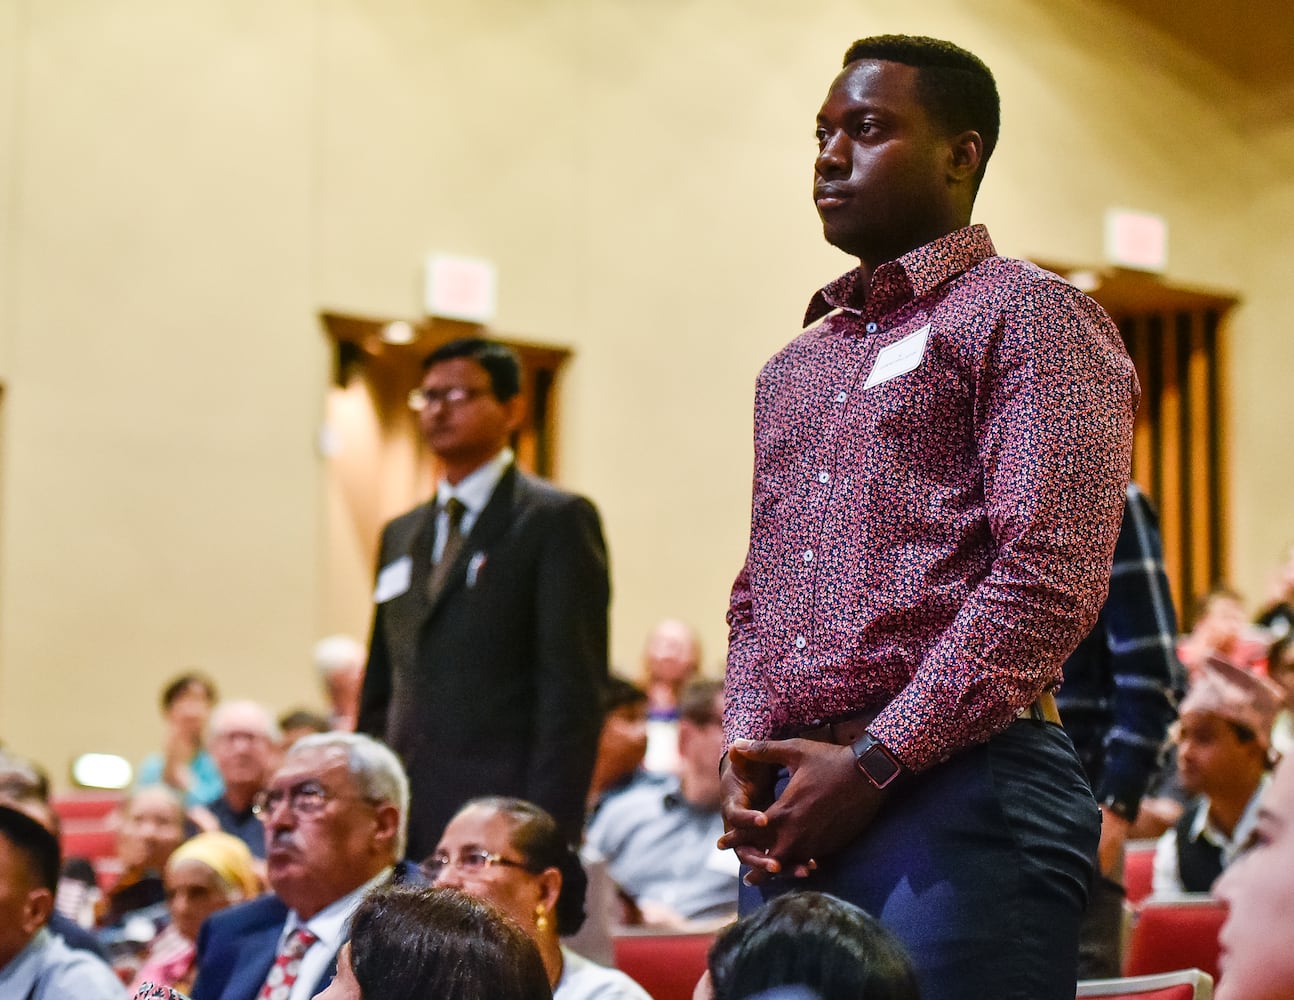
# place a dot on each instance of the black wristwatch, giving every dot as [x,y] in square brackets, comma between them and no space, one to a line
[877,764]
[1122,807]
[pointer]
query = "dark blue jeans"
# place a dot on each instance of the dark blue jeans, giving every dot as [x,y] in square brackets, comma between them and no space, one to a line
[980,867]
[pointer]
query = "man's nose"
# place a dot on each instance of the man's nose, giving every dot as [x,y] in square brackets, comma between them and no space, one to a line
[832,160]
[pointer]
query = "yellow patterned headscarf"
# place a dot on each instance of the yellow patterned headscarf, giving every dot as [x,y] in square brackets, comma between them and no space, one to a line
[225,855]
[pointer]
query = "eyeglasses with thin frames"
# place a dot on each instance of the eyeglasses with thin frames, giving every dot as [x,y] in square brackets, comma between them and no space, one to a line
[455,395]
[304,799]
[473,862]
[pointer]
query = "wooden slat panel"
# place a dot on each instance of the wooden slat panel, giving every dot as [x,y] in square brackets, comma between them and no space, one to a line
[1143,446]
[1203,573]
[1170,464]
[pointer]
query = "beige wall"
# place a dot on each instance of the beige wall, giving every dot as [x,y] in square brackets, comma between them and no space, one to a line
[189,183]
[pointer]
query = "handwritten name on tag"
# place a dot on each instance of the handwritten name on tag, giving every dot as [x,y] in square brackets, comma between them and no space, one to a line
[393,579]
[899,358]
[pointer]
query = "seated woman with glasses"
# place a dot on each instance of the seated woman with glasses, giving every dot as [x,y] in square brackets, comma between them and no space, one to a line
[511,853]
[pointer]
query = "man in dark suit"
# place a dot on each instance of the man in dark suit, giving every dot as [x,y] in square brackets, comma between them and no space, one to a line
[489,642]
[334,816]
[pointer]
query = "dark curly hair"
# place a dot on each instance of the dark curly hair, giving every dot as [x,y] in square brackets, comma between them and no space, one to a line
[814,940]
[441,944]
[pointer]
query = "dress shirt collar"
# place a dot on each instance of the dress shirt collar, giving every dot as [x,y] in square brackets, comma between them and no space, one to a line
[19,976]
[473,490]
[331,925]
[918,272]
[1202,826]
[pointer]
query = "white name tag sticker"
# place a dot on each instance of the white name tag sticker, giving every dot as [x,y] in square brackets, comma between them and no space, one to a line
[899,358]
[393,579]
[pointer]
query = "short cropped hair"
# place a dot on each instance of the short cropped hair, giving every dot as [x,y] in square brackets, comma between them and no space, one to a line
[21,778]
[814,940]
[428,944]
[376,771]
[955,87]
[619,693]
[696,700]
[184,683]
[536,837]
[35,844]
[499,361]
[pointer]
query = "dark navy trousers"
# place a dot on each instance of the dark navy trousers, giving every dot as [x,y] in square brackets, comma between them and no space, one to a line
[980,866]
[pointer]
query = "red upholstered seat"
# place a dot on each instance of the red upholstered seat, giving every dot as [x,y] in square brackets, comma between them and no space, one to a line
[1138,869]
[1175,933]
[666,965]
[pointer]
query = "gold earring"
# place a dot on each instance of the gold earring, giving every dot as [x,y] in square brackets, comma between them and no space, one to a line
[541,919]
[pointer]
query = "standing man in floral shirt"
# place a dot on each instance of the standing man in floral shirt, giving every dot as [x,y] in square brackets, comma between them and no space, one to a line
[940,464]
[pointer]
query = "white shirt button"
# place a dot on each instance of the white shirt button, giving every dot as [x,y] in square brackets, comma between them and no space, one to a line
[808,555]
[841,396]
[871,327]
[824,476]
[801,642]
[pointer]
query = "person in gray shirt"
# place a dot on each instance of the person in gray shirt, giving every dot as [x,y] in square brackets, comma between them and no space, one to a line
[659,841]
[35,964]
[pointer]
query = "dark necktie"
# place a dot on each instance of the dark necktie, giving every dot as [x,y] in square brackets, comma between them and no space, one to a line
[454,511]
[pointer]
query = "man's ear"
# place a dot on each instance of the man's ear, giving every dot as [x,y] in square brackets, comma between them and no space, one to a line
[515,408]
[36,910]
[387,817]
[966,153]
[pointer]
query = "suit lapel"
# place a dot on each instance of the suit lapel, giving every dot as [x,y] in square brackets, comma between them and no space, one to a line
[488,528]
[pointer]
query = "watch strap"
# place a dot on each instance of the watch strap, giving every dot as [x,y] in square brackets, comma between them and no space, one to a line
[876,763]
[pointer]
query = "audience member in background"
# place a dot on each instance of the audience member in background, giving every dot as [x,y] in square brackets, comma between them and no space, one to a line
[659,840]
[1280,668]
[489,640]
[1257,961]
[1120,695]
[244,740]
[1222,741]
[511,853]
[334,816]
[25,787]
[671,658]
[204,875]
[622,744]
[185,764]
[299,723]
[133,912]
[35,964]
[340,662]
[811,940]
[435,944]
[1222,632]
[1278,616]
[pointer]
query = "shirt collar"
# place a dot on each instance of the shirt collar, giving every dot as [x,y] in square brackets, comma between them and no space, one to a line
[1201,826]
[918,272]
[18,977]
[473,490]
[330,924]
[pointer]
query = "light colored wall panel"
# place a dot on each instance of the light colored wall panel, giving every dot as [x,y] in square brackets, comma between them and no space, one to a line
[195,181]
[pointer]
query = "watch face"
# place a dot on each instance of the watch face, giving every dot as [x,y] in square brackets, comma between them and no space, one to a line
[878,765]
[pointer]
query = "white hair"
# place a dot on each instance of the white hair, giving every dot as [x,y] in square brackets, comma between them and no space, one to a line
[265,723]
[338,652]
[375,769]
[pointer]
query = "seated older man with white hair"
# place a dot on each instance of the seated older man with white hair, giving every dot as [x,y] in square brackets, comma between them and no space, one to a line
[244,741]
[340,660]
[335,816]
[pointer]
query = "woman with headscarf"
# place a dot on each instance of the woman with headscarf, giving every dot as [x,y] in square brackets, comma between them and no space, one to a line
[203,875]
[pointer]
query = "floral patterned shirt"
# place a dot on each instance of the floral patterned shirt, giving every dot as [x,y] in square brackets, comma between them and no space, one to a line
[940,465]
